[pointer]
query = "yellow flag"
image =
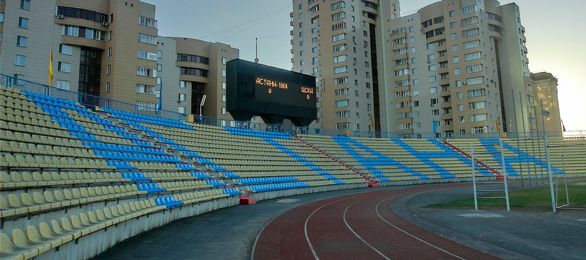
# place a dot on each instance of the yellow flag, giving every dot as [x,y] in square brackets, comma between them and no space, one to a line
[50,77]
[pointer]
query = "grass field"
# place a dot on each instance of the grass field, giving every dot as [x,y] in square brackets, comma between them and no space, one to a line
[526,199]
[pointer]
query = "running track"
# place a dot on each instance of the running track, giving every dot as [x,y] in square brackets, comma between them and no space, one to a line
[359,226]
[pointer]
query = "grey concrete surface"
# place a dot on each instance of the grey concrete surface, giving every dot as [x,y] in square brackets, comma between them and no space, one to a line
[223,234]
[518,234]
[230,233]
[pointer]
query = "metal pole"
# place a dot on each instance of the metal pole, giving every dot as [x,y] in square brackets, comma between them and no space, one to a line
[505,176]
[553,204]
[474,176]
[518,145]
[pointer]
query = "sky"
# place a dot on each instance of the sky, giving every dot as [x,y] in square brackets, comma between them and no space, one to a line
[554,31]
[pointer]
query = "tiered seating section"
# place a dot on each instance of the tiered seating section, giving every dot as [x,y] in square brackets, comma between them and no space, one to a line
[69,174]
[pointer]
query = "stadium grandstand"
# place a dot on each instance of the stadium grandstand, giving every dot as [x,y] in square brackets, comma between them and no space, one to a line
[79,175]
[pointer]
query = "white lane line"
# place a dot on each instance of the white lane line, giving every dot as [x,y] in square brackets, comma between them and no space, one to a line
[411,235]
[316,210]
[358,236]
[307,221]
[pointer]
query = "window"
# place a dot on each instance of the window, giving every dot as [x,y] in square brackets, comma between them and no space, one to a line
[470,21]
[109,52]
[460,107]
[20,60]
[2,17]
[338,16]
[432,67]
[478,118]
[433,78]
[224,85]
[338,26]
[460,95]
[145,89]
[108,69]
[107,87]
[474,81]
[160,67]
[338,5]
[181,97]
[340,81]
[452,13]
[342,126]
[145,72]
[457,72]
[454,48]
[82,14]
[342,103]
[22,41]
[223,98]
[193,72]
[65,49]
[472,44]
[23,22]
[149,39]
[476,93]
[455,59]
[342,114]
[477,105]
[224,60]
[223,110]
[64,67]
[341,92]
[147,22]
[469,9]
[145,55]
[341,58]
[25,5]
[471,32]
[341,69]
[181,110]
[453,36]
[433,90]
[474,68]
[71,30]
[193,58]
[339,37]
[63,84]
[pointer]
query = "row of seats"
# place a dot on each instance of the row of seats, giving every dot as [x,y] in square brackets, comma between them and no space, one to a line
[15,204]
[38,239]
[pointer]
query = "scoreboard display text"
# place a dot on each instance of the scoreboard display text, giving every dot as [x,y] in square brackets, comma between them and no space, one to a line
[267,91]
[291,93]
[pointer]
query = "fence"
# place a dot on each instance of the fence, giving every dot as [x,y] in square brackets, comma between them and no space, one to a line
[96,101]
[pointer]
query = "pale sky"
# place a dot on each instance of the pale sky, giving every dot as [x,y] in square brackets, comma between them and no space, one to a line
[554,30]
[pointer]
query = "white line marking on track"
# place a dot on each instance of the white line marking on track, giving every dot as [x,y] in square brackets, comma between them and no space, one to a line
[358,236]
[305,227]
[409,234]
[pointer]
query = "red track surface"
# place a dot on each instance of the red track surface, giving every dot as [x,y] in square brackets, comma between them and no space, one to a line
[359,226]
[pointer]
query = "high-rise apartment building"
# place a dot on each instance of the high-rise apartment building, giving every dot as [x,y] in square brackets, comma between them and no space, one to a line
[104,48]
[455,67]
[189,69]
[336,41]
[111,49]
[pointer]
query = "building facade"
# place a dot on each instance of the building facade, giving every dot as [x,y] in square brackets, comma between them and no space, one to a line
[336,41]
[188,70]
[455,67]
[111,49]
[101,48]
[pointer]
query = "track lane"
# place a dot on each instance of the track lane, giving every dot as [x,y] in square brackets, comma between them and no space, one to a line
[360,226]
